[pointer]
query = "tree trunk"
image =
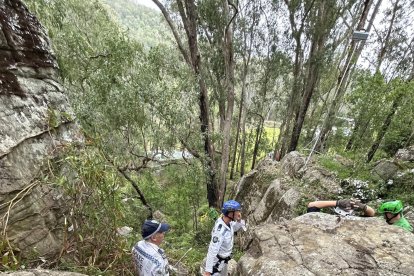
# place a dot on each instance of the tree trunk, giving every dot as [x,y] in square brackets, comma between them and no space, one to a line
[189,18]
[246,65]
[259,131]
[395,104]
[243,145]
[283,140]
[342,81]
[353,134]
[292,102]
[313,75]
[236,142]
[384,128]
[358,132]
[228,54]
[385,45]
[316,53]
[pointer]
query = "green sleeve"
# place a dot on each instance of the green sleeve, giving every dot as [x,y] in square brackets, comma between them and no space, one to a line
[403,223]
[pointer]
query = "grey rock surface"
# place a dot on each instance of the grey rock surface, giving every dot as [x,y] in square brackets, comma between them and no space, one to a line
[275,189]
[36,123]
[323,244]
[386,169]
[406,154]
[292,163]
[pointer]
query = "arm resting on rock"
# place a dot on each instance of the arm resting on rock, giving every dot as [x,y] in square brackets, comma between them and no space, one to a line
[322,204]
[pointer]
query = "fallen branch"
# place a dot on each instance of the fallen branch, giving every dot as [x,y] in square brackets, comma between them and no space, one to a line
[122,171]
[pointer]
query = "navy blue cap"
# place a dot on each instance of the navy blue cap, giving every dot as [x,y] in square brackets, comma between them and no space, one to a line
[150,227]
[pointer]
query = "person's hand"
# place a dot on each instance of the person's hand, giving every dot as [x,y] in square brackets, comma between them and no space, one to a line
[237,216]
[345,204]
[358,205]
[207,273]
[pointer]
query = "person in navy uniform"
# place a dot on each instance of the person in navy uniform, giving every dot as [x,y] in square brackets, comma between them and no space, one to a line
[149,259]
[222,236]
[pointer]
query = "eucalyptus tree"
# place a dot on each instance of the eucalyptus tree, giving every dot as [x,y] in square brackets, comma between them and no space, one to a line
[214,20]
[121,93]
[359,122]
[313,24]
[394,61]
[365,101]
[343,79]
[323,20]
[272,67]
[402,90]
[298,15]
[104,74]
[247,26]
[260,63]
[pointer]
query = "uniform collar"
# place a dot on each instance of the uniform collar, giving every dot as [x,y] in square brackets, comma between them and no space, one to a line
[153,245]
[225,225]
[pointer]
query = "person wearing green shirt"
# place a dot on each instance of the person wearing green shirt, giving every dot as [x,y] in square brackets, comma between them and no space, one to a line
[392,211]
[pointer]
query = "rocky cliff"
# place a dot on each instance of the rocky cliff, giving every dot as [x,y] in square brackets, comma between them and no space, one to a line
[277,189]
[36,122]
[283,240]
[324,244]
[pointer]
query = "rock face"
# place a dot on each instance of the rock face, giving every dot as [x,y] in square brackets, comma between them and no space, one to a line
[323,244]
[386,169]
[278,190]
[36,122]
[41,272]
[405,154]
[275,189]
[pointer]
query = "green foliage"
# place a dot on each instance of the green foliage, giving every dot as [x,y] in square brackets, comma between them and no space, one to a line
[9,255]
[349,166]
[94,194]
[372,101]
[92,244]
[131,105]
[401,130]
[398,190]
[143,24]
[135,97]
[184,204]
[128,99]
[330,164]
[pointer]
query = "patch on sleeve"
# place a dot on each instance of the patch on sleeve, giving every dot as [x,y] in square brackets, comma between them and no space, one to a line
[215,239]
[219,227]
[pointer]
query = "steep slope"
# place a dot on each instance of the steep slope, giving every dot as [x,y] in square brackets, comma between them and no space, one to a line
[143,24]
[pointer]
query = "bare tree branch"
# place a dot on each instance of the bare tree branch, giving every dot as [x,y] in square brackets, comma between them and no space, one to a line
[101,56]
[133,183]
[174,31]
[192,151]
[236,11]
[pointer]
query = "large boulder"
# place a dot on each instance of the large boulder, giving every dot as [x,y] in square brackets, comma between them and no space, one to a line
[406,154]
[276,189]
[323,244]
[36,122]
[386,169]
[292,164]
